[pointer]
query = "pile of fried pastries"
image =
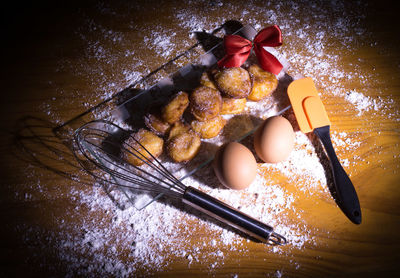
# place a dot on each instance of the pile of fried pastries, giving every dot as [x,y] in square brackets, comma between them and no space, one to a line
[221,92]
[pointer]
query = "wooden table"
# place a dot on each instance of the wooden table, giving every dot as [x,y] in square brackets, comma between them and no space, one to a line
[59,60]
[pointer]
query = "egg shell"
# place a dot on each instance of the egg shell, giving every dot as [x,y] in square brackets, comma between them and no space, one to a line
[274,139]
[235,166]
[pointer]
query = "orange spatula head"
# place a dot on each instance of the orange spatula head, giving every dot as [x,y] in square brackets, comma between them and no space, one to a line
[307,106]
[315,112]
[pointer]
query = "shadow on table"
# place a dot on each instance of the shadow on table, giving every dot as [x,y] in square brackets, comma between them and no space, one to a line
[35,143]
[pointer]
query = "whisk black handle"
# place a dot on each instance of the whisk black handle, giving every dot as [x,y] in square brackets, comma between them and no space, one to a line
[231,216]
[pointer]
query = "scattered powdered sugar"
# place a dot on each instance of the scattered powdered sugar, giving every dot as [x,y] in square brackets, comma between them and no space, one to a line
[342,140]
[119,242]
[363,103]
[162,42]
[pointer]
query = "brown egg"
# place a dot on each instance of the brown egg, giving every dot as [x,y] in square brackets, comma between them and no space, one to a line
[235,166]
[274,139]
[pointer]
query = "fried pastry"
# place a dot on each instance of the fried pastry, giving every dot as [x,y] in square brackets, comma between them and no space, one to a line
[173,111]
[210,128]
[178,128]
[233,105]
[149,140]
[205,80]
[264,83]
[154,122]
[184,146]
[205,103]
[233,82]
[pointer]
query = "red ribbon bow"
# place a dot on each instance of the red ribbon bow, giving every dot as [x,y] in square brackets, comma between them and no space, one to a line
[238,49]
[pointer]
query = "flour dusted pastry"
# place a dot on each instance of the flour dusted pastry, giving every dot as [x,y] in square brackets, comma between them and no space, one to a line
[149,140]
[184,146]
[173,111]
[205,80]
[233,105]
[205,103]
[178,128]
[154,122]
[233,82]
[210,128]
[264,83]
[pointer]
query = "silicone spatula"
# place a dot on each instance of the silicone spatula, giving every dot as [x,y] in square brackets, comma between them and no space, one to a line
[311,116]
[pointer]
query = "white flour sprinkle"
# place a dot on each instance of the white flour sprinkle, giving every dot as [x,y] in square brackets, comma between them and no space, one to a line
[162,43]
[341,140]
[362,103]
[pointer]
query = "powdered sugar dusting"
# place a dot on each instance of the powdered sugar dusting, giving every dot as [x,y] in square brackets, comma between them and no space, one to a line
[363,103]
[161,42]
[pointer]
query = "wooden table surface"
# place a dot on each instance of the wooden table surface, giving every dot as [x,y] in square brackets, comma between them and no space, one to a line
[59,60]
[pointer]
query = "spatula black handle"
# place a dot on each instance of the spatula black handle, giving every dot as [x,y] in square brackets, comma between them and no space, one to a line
[346,194]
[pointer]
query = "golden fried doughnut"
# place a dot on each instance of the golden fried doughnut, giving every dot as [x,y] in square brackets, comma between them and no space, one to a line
[205,103]
[178,128]
[233,82]
[233,105]
[156,124]
[173,111]
[210,128]
[205,80]
[149,140]
[184,146]
[264,83]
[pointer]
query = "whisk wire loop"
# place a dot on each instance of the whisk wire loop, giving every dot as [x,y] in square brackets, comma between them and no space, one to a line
[125,167]
[90,140]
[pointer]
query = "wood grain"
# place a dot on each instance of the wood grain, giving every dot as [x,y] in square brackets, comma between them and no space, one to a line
[47,79]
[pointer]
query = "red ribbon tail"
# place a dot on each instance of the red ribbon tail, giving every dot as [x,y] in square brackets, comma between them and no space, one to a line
[268,62]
